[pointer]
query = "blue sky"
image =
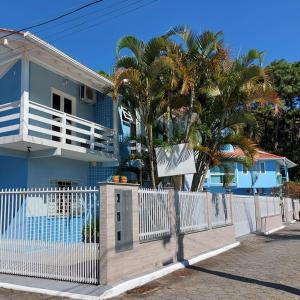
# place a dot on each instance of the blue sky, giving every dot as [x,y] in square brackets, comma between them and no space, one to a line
[270,25]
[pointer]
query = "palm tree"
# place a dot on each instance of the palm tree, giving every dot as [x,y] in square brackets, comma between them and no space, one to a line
[136,77]
[241,84]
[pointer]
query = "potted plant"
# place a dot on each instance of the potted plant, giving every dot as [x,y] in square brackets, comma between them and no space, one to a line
[116,179]
[124,179]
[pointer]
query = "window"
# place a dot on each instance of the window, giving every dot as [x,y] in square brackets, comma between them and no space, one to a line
[262,167]
[62,203]
[245,170]
[216,179]
[126,115]
[64,103]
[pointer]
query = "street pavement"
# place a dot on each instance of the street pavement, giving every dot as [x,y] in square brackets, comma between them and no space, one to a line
[262,267]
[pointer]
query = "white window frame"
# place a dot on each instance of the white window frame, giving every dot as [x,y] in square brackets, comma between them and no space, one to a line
[262,162]
[243,170]
[62,96]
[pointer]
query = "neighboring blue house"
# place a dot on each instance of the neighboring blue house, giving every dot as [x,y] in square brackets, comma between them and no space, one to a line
[57,128]
[269,172]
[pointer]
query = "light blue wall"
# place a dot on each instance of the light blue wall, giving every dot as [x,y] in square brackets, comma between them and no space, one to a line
[266,180]
[16,172]
[13,172]
[42,170]
[243,182]
[10,84]
[42,80]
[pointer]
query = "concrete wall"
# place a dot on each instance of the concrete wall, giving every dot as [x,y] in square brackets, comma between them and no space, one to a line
[297,209]
[270,223]
[145,257]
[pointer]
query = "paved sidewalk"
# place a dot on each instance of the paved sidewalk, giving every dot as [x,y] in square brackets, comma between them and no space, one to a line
[261,268]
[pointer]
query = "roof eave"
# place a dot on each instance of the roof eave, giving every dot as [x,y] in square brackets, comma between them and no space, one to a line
[100,79]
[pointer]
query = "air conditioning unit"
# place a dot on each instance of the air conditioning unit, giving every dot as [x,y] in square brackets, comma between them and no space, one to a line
[88,94]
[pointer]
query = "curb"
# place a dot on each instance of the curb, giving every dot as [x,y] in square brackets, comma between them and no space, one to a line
[124,286]
[274,230]
[131,284]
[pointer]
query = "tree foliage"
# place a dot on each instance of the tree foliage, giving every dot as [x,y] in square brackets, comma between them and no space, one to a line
[191,91]
[281,133]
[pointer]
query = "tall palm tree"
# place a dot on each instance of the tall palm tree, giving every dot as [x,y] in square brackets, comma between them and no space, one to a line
[136,77]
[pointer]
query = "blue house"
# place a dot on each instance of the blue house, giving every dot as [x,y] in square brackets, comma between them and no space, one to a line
[57,128]
[267,175]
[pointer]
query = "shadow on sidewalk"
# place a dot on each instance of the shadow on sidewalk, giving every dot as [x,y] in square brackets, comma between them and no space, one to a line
[283,236]
[268,284]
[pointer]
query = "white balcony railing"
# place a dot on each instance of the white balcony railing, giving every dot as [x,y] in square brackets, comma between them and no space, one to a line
[57,128]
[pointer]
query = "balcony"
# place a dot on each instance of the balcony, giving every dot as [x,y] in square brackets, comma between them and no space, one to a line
[42,131]
[280,179]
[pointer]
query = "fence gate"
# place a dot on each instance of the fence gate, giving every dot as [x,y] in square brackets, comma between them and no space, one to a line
[243,209]
[50,233]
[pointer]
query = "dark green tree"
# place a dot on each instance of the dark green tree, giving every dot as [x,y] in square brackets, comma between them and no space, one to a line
[280,134]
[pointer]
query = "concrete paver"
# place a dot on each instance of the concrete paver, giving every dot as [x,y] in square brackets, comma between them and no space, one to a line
[261,268]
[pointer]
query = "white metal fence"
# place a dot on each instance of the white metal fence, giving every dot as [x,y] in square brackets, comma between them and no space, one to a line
[50,233]
[244,218]
[269,206]
[289,204]
[221,209]
[154,214]
[193,214]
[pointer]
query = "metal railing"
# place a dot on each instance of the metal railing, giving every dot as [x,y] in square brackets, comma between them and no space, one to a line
[269,206]
[220,210]
[193,214]
[54,126]
[244,217]
[50,233]
[58,126]
[153,214]
[10,118]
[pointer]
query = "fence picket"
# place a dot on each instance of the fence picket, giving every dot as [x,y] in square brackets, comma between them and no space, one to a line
[41,233]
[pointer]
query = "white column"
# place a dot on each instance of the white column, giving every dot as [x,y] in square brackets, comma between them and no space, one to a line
[24,108]
[116,127]
[63,128]
[92,137]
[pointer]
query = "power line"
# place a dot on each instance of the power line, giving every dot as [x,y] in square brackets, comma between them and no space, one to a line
[90,26]
[112,11]
[108,19]
[94,12]
[54,19]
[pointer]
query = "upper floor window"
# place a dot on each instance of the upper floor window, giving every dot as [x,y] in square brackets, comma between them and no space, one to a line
[126,115]
[262,165]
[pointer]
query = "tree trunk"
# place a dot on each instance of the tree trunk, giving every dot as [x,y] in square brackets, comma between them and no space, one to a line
[169,120]
[151,155]
[189,120]
[202,166]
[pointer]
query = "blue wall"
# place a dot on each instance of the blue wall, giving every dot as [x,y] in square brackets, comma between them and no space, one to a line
[10,84]
[104,111]
[18,172]
[13,172]
[42,170]
[266,180]
[42,80]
